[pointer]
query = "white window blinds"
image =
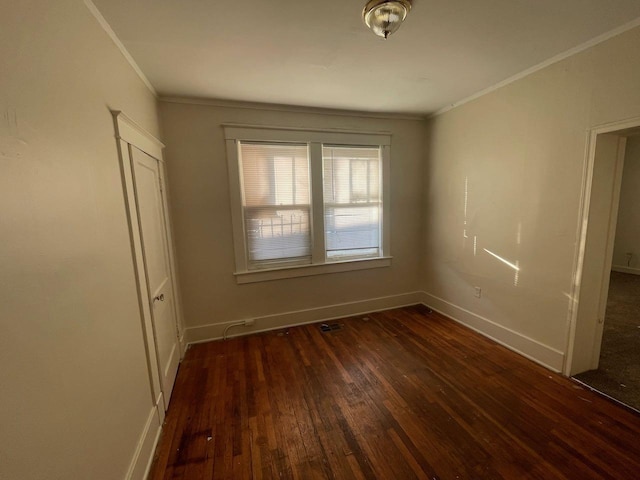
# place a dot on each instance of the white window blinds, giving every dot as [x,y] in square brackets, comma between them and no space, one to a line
[352,201]
[275,202]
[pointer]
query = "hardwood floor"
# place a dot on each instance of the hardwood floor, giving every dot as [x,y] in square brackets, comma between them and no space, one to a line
[399,394]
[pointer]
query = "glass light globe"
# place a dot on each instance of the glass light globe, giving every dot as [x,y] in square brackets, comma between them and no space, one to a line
[384,17]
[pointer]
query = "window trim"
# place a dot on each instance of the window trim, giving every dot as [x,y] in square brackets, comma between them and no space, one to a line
[315,138]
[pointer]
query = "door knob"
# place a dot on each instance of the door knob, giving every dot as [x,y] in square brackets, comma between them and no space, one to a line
[159,298]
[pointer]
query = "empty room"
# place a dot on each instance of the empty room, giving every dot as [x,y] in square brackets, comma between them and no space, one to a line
[349,239]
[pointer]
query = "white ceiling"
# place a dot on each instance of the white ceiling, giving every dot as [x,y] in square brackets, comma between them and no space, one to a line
[320,54]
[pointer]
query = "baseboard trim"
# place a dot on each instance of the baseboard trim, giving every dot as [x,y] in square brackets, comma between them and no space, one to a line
[527,347]
[623,269]
[266,323]
[143,456]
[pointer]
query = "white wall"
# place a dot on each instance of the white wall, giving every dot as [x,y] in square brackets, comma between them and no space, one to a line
[520,151]
[74,388]
[199,188]
[628,227]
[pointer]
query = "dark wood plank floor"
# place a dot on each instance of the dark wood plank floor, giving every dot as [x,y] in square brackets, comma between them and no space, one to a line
[399,394]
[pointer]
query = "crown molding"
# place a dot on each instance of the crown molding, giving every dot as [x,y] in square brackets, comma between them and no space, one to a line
[112,35]
[352,113]
[273,107]
[555,59]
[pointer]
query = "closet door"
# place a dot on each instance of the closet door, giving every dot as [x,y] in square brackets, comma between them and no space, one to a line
[150,205]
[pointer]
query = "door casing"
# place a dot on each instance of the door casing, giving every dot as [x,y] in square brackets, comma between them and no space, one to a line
[592,264]
[129,134]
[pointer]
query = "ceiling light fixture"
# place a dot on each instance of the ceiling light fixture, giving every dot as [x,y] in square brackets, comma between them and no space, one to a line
[384,17]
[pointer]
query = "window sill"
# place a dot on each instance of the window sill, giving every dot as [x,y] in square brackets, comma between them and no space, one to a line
[309,270]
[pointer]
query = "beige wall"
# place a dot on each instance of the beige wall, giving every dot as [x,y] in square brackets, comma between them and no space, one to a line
[74,388]
[199,189]
[521,151]
[628,227]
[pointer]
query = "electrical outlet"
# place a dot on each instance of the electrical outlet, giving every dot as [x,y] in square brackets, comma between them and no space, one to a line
[250,323]
[478,292]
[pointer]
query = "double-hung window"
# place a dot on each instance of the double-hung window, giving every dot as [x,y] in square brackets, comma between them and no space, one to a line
[307,202]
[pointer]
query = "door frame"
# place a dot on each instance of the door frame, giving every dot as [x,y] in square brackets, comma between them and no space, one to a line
[593,322]
[129,135]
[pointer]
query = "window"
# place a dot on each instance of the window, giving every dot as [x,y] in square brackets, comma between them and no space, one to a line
[352,201]
[307,202]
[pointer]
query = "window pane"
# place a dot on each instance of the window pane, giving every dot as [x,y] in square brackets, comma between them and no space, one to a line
[274,233]
[276,193]
[274,174]
[352,231]
[352,197]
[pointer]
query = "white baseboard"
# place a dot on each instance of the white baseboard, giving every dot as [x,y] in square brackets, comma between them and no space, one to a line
[527,347]
[143,456]
[521,344]
[623,269]
[215,331]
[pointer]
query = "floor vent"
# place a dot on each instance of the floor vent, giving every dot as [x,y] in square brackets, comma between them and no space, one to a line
[331,327]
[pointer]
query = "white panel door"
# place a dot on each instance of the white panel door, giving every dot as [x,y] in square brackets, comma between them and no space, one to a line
[150,205]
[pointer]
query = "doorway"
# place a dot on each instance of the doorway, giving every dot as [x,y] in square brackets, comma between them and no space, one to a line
[143,178]
[604,322]
[618,372]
